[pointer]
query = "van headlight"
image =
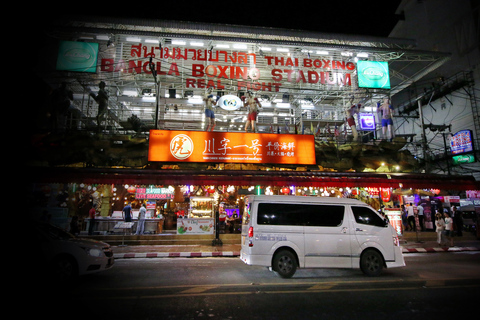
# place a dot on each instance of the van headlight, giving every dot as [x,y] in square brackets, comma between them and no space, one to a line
[94,252]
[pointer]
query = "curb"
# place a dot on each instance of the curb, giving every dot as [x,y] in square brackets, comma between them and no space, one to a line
[237,253]
[439,249]
[177,254]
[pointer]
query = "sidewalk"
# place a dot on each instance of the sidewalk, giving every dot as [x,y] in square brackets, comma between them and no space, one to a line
[411,243]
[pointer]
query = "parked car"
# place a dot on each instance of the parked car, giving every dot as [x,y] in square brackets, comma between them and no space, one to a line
[62,256]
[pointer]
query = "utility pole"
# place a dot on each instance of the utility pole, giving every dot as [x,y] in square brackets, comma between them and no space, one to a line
[424,136]
[157,89]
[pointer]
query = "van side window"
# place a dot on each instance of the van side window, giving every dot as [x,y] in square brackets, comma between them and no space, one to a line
[300,214]
[280,214]
[324,216]
[365,215]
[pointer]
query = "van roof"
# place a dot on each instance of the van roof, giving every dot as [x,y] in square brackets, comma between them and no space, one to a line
[304,199]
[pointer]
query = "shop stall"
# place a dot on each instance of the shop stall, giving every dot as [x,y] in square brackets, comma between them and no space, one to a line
[106,225]
[200,218]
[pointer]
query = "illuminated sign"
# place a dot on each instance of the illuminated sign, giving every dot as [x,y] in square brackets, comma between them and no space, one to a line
[77,56]
[218,69]
[463,159]
[367,121]
[236,147]
[229,102]
[461,142]
[373,74]
[154,193]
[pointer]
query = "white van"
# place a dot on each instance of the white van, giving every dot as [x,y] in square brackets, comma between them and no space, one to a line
[286,232]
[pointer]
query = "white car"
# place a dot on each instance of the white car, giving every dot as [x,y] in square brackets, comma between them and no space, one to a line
[286,232]
[63,256]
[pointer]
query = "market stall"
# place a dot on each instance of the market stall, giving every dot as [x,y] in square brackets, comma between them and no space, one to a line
[200,217]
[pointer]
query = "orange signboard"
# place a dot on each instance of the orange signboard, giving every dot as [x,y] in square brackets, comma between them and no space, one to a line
[237,147]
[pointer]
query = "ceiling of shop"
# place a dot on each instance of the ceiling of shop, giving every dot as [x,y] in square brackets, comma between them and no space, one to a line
[135,93]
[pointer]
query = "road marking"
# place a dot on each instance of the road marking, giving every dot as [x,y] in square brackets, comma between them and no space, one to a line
[196,290]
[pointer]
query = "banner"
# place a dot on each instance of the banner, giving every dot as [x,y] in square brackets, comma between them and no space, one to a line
[236,147]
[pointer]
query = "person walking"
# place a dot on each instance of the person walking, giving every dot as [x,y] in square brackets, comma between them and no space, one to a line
[141,219]
[439,228]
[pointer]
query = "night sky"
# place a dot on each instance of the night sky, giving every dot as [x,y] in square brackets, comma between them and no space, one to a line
[375,18]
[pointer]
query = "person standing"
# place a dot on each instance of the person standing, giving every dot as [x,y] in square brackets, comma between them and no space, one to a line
[252,103]
[458,220]
[102,99]
[449,228]
[141,219]
[440,227]
[127,213]
[91,214]
[411,217]
[209,113]
[420,216]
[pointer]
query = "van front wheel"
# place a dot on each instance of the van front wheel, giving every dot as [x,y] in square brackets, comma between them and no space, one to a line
[371,263]
[284,264]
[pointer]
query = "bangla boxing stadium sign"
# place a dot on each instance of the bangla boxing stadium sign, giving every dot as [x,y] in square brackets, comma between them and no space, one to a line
[237,147]
[201,68]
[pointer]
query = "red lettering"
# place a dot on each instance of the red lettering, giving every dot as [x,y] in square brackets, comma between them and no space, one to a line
[107,65]
[240,72]
[317,63]
[289,74]
[197,70]
[190,83]
[301,77]
[223,72]
[173,69]
[135,67]
[339,65]
[277,75]
[307,63]
[209,71]
[350,66]
[312,77]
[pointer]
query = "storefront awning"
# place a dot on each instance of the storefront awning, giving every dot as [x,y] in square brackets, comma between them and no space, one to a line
[249,178]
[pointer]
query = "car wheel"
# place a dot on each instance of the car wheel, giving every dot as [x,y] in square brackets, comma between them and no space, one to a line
[64,269]
[284,264]
[371,263]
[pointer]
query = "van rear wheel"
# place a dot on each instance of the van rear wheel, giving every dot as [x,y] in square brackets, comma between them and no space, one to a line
[371,263]
[284,264]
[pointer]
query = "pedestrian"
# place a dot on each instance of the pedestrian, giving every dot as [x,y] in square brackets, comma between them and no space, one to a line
[127,213]
[440,228]
[421,216]
[404,217]
[449,228]
[458,220]
[102,99]
[91,214]
[74,229]
[141,219]
[411,217]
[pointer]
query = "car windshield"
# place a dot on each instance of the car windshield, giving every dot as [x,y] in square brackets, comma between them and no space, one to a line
[55,232]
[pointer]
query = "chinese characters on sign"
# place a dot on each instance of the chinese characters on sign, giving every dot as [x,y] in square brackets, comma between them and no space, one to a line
[199,146]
